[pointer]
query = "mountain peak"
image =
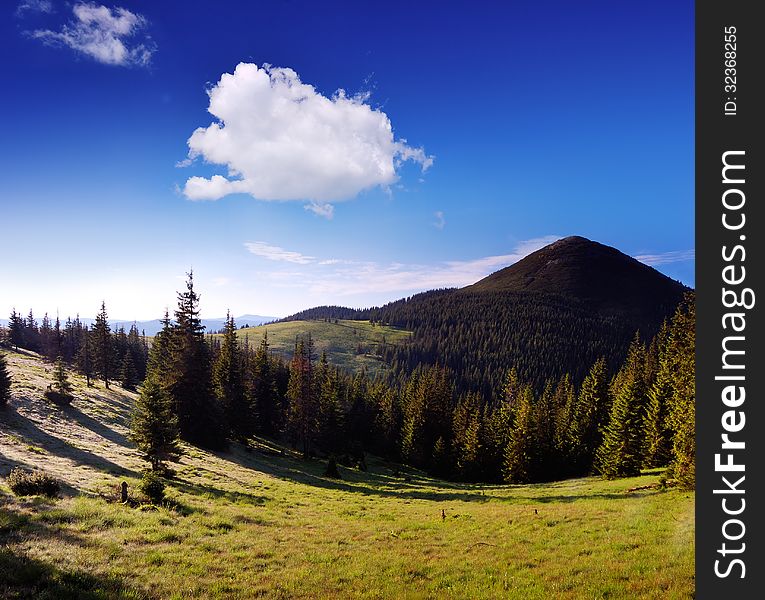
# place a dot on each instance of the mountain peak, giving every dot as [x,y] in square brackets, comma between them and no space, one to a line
[586,270]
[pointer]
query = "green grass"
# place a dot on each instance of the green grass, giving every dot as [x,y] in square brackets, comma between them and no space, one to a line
[251,524]
[348,344]
[266,523]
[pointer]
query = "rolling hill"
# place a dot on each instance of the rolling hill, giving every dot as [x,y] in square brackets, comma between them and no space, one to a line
[554,312]
[352,345]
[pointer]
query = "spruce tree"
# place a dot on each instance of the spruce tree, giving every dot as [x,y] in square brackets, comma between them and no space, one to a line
[16,329]
[84,355]
[102,346]
[682,409]
[621,453]
[128,372]
[228,383]
[188,375]
[518,456]
[263,390]
[5,380]
[61,378]
[330,414]
[591,416]
[301,393]
[154,426]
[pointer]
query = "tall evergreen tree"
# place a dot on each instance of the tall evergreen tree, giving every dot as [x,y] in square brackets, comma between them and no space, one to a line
[228,383]
[621,453]
[302,396]
[84,356]
[591,415]
[682,410]
[263,390]
[102,345]
[188,376]
[16,329]
[128,372]
[61,378]
[519,457]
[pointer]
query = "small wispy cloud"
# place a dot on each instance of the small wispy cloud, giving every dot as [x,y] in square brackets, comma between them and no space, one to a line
[34,7]
[276,253]
[104,34]
[666,258]
[440,221]
[321,209]
[334,277]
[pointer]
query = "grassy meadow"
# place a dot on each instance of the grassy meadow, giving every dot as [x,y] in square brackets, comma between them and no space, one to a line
[263,522]
[348,344]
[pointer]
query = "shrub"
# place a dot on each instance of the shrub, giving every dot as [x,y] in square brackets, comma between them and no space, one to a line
[29,483]
[59,398]
[152,487]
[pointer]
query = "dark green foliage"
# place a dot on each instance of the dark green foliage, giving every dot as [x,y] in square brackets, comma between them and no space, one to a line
[31,483]
[5,380]
[682,411]
[128,372]
[103,346]
[302,394]
[623,448]
[229,386]
[518,464]
[263,389]
[187,376]
[61,379]
[153,487]
[592,412]
[16,329]
[154,427]
[332,470]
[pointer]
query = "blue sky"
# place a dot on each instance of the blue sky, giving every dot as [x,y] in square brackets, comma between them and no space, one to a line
[465,138]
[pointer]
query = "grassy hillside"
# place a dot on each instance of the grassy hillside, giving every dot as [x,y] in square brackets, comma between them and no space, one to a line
[348,344]
[265,523]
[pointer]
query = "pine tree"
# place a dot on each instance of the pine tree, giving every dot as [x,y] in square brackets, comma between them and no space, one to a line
[5,380]
[154,427]
[682,409]
[330,414]
[301,393]
[61,379]
[466,429]
[518,457]
[16,329]
[591,415]
[263,390]
[187,377]
[84,356]
[621,453]
[228,383]
[128,372]
[102,346]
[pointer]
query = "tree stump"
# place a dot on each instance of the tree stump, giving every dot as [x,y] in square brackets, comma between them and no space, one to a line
[124,492]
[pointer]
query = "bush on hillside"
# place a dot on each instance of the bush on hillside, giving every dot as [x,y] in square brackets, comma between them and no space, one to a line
[30,483]
[152,487]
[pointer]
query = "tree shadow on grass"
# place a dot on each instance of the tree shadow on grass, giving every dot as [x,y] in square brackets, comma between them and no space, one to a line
[96,426]
[409,485]
[31,432]
[22,576]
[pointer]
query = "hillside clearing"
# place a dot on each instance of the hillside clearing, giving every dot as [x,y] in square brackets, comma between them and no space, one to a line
[265,523]
[352,345]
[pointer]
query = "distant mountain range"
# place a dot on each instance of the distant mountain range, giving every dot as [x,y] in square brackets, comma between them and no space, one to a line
[556,311]
[153,326]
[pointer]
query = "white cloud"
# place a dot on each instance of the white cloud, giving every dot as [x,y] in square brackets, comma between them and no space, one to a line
[666,258]
[102,33]
[280,139]
[34,6]
[276,253]
[440,221]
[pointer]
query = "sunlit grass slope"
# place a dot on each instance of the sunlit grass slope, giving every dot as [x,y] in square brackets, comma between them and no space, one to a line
[348,344]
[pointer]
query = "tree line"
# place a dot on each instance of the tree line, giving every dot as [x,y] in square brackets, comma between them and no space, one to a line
[208,390]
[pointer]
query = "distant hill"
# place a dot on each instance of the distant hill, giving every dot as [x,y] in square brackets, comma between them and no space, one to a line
[556,311]
[352,345]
